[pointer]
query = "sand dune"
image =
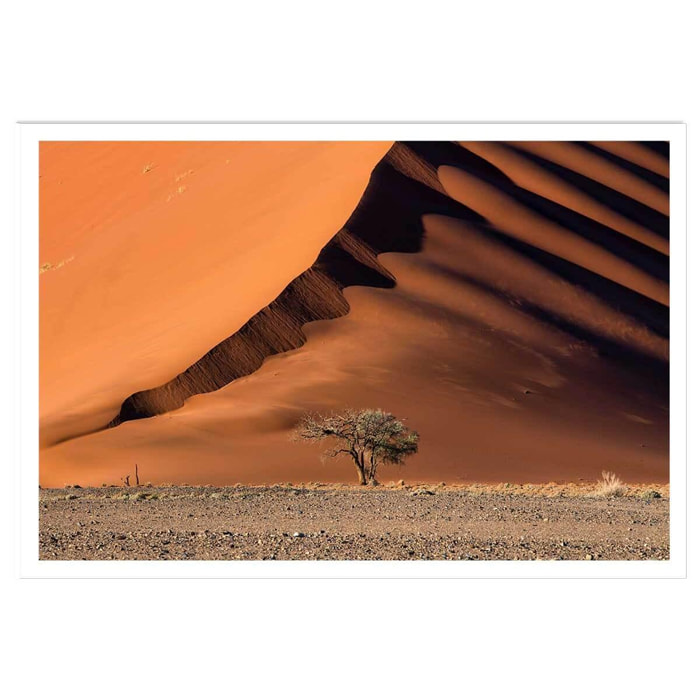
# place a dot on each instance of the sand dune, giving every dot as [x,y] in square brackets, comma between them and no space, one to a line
[653,158]
[510,301]
[583,163]
[172,245]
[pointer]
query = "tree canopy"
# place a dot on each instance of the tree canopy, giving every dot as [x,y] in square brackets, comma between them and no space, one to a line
[369,436]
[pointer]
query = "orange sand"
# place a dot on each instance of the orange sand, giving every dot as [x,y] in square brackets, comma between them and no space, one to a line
[171,247]
[498,356]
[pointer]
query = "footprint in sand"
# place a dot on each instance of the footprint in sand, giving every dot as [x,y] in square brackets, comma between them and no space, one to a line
[50,266]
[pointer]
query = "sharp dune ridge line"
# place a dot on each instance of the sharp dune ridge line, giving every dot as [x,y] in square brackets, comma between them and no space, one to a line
[348,259]
[158,280]
[538,270]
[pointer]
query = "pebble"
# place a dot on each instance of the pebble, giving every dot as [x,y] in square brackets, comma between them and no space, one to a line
[353,522]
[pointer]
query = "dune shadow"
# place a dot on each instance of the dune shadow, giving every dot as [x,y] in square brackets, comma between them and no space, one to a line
[646,311]
[632,251]
[617,201]
[659,181]
[661,148]
[649,260]
[623,355]
[452,154]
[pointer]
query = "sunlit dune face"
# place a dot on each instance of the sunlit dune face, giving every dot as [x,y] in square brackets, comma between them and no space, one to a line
[151,253]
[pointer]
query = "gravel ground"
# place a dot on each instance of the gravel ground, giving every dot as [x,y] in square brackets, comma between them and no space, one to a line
[335,522]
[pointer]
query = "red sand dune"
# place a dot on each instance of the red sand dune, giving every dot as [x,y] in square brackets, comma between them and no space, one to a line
[510,301]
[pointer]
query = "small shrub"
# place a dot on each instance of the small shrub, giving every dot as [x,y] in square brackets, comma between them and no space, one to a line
[610,485]
[648,495]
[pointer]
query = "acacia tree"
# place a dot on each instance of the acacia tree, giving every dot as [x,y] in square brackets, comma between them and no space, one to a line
[369,437]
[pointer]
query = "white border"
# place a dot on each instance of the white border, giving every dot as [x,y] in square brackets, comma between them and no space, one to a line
[26,461]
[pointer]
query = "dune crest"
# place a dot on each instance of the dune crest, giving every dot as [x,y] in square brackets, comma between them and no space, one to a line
[351,259]
[174,245]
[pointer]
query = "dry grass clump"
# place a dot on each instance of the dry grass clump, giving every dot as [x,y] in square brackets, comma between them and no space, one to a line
[609,485]
[144,496]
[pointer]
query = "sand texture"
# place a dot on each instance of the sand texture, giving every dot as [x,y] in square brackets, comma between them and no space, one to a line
[508,300]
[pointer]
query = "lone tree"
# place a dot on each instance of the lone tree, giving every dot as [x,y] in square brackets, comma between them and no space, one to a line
[370,437]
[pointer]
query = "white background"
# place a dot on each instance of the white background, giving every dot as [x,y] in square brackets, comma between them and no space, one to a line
[374,61]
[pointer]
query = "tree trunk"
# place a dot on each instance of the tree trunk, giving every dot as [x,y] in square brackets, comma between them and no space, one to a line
[359,465]
[372,467]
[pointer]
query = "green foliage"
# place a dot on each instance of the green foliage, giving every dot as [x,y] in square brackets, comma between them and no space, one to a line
[371,437]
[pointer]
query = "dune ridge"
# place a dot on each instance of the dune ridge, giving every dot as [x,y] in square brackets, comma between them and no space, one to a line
[408,183]
[382,222]
[179,244]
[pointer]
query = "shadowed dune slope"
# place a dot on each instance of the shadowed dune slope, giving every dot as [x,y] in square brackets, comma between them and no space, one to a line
[510,301]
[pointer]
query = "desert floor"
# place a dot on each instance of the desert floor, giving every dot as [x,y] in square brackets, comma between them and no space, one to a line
[317,521]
